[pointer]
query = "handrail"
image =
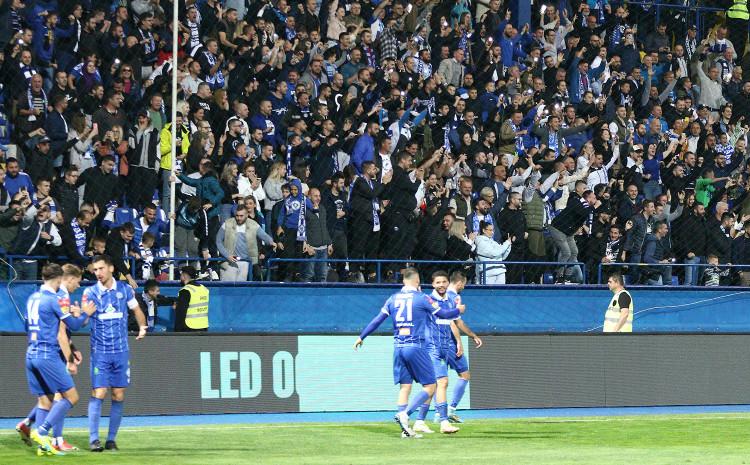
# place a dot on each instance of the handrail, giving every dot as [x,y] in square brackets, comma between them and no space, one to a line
[380,262]
[661,265]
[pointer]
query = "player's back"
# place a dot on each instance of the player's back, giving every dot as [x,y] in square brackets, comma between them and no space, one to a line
[43,322]
[109,324]
[411,313]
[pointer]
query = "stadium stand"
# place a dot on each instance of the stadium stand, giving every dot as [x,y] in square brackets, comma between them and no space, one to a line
[598,135]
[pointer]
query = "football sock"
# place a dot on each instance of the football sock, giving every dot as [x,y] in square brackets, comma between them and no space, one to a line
[31,417]
[458,391]
[417,401]
[41,415]
[57,427]
[442,409]
[423,409]
[95,413]
[59,409]
[402,408]
[115,418]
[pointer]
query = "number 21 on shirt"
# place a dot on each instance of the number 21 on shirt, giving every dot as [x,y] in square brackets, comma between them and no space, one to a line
[404,306]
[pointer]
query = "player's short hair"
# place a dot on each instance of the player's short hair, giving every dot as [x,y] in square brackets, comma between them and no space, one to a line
[617,277]
[51,271]
[410,273]
[103,258]
[458,277]
[150,284]
[70,270]
[439,274]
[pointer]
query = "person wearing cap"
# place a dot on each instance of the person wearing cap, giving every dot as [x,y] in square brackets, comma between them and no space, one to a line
[40,163]
[143,177]
[191,308]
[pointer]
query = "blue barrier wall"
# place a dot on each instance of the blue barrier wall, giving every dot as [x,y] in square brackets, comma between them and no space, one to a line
[345,308]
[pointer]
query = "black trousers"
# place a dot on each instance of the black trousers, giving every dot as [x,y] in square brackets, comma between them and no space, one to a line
[292,249]
[400,237]
[363,244]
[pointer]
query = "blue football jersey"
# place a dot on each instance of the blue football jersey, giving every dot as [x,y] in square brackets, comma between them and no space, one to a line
[109,324]
[43,316]
[443,334]
[412,314]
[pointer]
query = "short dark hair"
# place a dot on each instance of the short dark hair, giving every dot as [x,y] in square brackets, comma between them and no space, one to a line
[439,274]
[410,273]
[458,277]
[150,284]
[127,227]
[617,277]
[106,259]
[51,271]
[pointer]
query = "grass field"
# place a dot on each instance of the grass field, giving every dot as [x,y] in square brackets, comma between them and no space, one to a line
[684,439]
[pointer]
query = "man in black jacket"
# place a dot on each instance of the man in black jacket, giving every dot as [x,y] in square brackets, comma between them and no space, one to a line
[144,156]
[337,216]
[75,238]
[119,247]
[366,215]
[432,238]
[512,223]
[318,244]
[720,238]
[691,232]
[149,301]
[102,185]
[637,228]
[563,230]
[401,220]
[741,251]
[65,193]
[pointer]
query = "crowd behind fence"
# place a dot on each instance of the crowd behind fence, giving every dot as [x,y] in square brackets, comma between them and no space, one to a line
[340,140]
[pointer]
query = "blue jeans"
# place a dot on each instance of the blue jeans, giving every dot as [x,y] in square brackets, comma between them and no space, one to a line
[166,194]
[316,272]
[693,273]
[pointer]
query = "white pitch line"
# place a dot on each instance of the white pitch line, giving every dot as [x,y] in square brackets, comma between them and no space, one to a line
[217,427]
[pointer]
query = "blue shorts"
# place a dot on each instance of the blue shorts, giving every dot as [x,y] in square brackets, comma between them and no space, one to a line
[110,370]
[457,364]
[412,364]
[46,376]
[439,363]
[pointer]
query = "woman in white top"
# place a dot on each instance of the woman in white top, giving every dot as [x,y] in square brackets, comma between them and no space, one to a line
[488,250]
[272,187]
[82,152]
[249,183]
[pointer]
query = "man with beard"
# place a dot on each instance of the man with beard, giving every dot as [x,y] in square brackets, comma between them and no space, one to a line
[512,223]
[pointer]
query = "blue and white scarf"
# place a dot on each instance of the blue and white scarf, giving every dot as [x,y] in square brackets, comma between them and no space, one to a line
[301,223]
[80,237]
[446,141]
[375,203]
[475,223]
[217,80]
[30,96]
[554,142]
[519,139]
[288,160]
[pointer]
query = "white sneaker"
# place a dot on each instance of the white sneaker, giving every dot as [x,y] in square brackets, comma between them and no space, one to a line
[406,436]
[447,428]
[452,417]
[436,418]
[214,275]
[402,419]
[421,427]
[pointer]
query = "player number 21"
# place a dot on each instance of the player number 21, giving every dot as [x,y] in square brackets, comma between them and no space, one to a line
[402,305]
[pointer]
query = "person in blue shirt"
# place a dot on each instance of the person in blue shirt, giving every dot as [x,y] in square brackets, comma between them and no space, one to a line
[441,333]
[453,349]
[45,371]
[110,364]
[413,315]
[71,280]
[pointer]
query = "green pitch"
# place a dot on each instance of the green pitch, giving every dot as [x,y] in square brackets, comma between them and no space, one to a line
[686,439]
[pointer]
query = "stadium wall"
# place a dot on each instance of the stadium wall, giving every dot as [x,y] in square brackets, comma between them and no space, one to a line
[193,374]
[330,309]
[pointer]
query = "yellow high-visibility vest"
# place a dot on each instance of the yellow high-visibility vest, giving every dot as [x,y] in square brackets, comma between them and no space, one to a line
[197,312]
[738,10]
[612,317]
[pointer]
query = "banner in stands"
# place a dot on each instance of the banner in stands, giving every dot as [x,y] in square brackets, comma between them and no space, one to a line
[190,374]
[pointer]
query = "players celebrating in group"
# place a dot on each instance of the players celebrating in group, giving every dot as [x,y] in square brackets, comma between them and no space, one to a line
[426,342]
[51,358]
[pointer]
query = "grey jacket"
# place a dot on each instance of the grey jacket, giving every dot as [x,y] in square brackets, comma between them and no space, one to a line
[316,227]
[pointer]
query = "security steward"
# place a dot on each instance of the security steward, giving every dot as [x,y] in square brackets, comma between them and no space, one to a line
[737,19]
[191,310]
[619,316]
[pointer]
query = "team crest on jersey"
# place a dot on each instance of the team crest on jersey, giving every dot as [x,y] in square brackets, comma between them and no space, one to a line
[119,295]
[296,205]
[109,309]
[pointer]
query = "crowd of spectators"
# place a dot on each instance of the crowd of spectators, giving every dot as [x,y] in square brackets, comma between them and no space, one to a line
[361,130]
